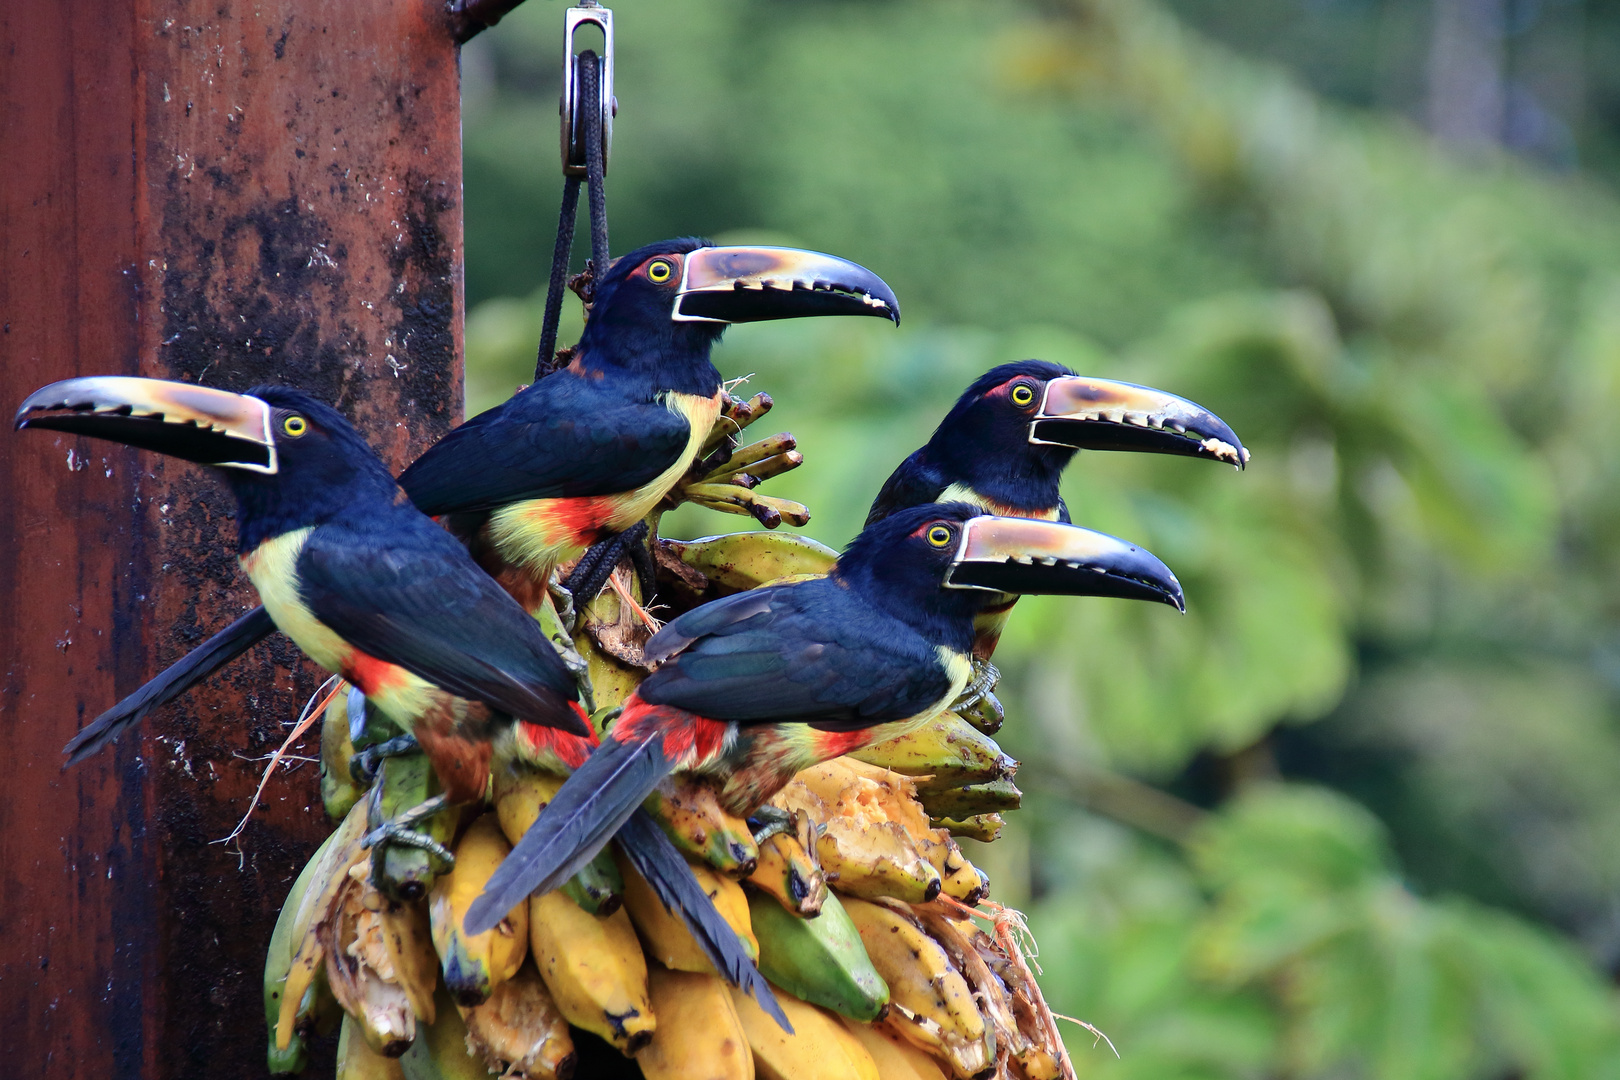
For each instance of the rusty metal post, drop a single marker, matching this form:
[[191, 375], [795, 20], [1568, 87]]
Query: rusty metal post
[[229, 192]]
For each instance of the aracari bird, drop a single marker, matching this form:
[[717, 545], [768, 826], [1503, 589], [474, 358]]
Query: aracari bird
[[1005, 443], [590, 449], [754, 687], [371, 588]]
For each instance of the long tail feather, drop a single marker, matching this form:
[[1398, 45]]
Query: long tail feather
[[176, 679], [577, 824], [645, 845]]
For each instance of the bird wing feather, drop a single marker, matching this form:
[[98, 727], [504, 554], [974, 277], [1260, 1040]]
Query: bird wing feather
[[420, 602]]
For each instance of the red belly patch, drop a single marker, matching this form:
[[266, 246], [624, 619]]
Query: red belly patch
[[370, 674], [578, 522]]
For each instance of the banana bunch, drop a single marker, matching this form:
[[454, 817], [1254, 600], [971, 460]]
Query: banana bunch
[[848, 889], [725, 474]]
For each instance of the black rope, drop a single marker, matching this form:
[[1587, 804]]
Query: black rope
[[590, 69], [589, 82], [560, 256]]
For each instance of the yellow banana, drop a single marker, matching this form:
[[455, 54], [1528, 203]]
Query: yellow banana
[[788, 869], [356, 1060], [520, 795], [944, 753], [594, 969], [668, 940], [896, 1058], [610, 638], [879, 794], [930, 1002], [475, 965], [747, 560], [820, 1047], [339, 792], [328, 873], [700, 1036], [408, 943], [689, 811], [861, 851], [519, 1032]]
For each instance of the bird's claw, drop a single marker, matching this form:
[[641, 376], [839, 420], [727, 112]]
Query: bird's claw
[[402, 831], [364, 764], [769, 821], [985, 679]]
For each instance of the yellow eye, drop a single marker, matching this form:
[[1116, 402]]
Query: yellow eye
[[295, 426], [658, 272], [939, 536], [1022, 394]]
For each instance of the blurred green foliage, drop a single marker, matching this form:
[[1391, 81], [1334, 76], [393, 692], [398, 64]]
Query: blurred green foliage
[[1394, 693]]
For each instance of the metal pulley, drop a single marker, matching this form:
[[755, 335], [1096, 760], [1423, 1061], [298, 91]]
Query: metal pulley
[[575, 111]]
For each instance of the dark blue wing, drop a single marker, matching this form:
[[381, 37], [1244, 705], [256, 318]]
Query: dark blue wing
[[566, 436], [404, 591], [809, 651]]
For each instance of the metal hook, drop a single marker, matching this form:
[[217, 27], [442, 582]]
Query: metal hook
[[573, 132]]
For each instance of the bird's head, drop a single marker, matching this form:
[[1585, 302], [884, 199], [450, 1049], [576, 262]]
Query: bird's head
[[669, 302], [1010, 435], [944, 562], [292, 461]]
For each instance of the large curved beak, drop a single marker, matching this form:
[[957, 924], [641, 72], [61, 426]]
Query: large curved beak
[[1023, 555], [752, 284], [1101, 414], [195, 423]]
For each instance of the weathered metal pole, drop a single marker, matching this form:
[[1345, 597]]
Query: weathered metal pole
[[229, 192]]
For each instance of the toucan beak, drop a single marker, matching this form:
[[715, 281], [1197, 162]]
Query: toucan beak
[[195, 423], [752, 284], [1023, 555], [1100, 414]]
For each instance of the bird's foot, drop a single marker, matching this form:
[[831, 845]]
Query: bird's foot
[[402, 832], [594, 568], [768, 821], [364, 764], [984, 680], [562, 599]]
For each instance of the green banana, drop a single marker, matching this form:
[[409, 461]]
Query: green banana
[[739, 561], [439, 1051], [358, 1061], [985, 827], [819, 960], [971, 800], [402, 872], [338, 790], [986, 714], [598, 887], [944, 753]]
